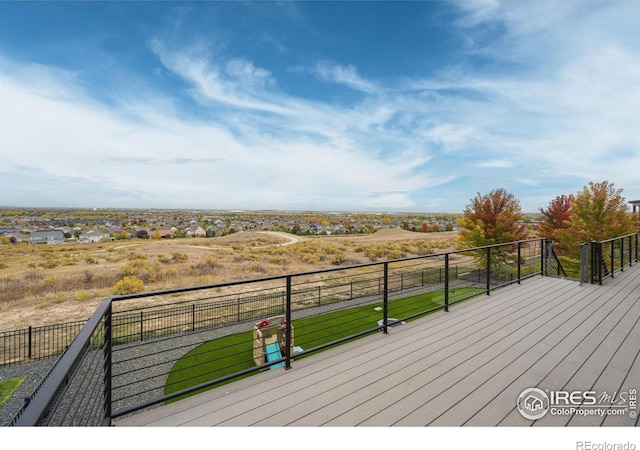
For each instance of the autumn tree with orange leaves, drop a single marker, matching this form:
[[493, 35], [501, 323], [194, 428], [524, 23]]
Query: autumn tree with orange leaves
[[597, 213], [555, 219], [493, 218]]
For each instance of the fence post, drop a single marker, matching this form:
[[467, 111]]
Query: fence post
[[622, 254], [30, 341], [107, 368], [287, 338], [193, 317], [446, 282], [141, 326], [488, 270], [613, 258], [385, 298], [519, 260]]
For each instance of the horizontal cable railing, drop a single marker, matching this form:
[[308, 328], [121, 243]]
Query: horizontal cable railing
[[142, 350], [610, 256]]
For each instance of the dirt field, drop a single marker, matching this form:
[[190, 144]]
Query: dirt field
[[51, 284]]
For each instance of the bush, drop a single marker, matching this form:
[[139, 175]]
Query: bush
[[177, 257], [83, 296], [128, 285]]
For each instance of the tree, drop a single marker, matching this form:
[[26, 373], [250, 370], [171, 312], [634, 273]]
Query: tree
[[555, 219], [493, 218], [598, 212]]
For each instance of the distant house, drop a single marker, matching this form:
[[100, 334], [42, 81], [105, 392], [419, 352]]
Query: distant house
[[17, 237], [93, 236], [47, 237], [196, 231]]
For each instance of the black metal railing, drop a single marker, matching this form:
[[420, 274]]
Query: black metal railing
[[606, 258], [18, 346], [116, 366], [553, 266], [33, 343]]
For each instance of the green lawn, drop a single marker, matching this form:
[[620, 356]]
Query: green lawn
[[225, 356], [8, 387]]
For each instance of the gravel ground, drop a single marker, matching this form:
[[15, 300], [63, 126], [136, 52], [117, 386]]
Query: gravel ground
[[35, 372], [140, 369]]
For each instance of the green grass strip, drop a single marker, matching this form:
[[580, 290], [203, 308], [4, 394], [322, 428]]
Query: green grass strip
[[231, 354], [8, 387]]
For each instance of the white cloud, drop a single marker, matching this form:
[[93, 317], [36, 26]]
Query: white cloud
[[347, 75], [134, 155], [554, 105], [495, 164]]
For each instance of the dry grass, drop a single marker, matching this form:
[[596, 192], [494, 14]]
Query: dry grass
[[51, 284]]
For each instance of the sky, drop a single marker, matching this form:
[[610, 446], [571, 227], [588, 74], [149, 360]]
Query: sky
[[387, 106]]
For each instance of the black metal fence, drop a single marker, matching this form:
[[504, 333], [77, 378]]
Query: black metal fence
[[34, 343], [141, 350]]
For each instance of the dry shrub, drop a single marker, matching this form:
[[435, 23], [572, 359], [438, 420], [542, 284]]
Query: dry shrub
[[279, 260], [83, 296], [254, 268], [204, 267], [128, 285], [179, 257]]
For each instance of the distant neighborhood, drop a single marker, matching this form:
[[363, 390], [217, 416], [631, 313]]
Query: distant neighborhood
[[58, 226]]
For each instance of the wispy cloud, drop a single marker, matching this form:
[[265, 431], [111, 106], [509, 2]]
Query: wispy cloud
[[537, 105], [346, 75]]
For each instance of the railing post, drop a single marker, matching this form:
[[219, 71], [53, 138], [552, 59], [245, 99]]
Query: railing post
[[287, 338], [385, 298], [613, 258], [141, 325], [519, 260], [193, 317], [488, 270], [107, 368], [30, 341], [446, 282], [622, 254]]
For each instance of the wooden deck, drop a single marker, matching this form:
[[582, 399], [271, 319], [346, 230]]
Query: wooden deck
[[464, 367]]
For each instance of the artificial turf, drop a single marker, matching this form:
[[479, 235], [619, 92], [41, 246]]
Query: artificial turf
[[8, 387], [234, 353]]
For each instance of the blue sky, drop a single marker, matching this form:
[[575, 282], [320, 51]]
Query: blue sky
[[316, 105]]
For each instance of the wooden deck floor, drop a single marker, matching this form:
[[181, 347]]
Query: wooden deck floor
[[464, 367]]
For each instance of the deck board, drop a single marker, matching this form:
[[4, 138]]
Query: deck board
[[464, 367]]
